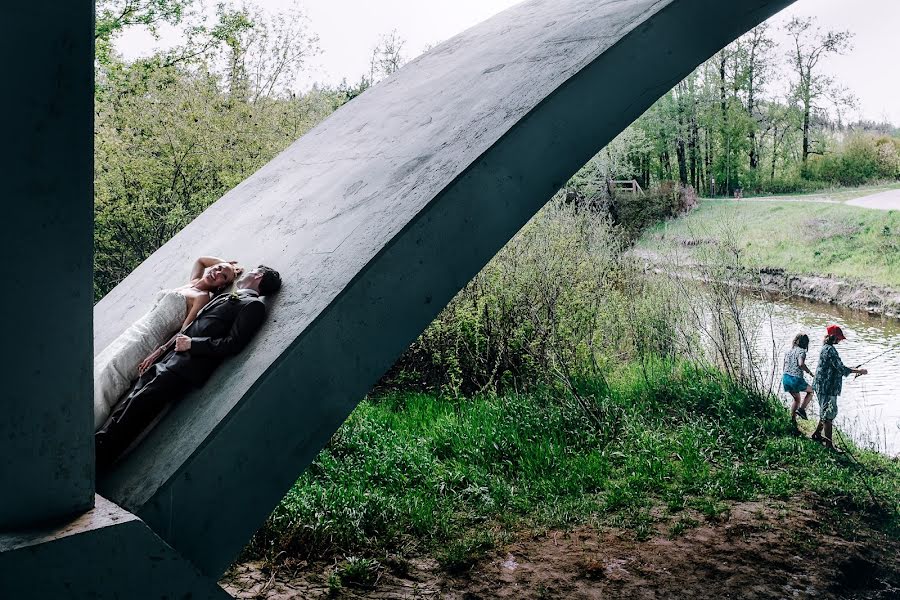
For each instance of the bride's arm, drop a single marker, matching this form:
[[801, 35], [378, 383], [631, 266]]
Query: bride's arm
[[202, 263], [197, 305], [154, 356]]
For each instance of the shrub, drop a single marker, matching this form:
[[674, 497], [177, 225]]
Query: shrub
[[888, 157], [862, 159], [556, 303], [636, 212], [858, 162], [805, 180]]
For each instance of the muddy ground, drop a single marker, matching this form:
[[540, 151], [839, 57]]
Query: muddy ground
[[798, 549]]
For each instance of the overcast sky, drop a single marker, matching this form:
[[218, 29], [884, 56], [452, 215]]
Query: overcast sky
[[348, 30]]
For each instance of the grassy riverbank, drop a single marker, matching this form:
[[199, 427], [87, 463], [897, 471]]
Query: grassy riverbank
[[806, 238], [661, 444], [538, 408]]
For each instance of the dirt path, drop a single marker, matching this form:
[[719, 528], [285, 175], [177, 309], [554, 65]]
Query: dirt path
[[762, 550], [815, 199], [889, 200]]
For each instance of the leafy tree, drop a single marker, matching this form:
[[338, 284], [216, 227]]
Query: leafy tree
[[754, 64], [115, 16], [178, 129], [722, 124]]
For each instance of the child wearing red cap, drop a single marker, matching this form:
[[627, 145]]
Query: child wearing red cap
[[828, 383]]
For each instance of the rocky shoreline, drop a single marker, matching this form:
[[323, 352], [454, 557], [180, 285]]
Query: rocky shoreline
[[825, 289], [872, 299]]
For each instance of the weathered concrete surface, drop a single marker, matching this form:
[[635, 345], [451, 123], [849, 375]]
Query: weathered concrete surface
[[376, 218], [104, 553], [46, 450]]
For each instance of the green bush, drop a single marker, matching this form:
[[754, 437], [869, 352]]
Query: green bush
[[791, 184], [858, 162], [634, 213], [888, 157], [557, 303], [862, 159]]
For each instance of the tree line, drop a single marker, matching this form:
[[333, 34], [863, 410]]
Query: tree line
[[727, 127]]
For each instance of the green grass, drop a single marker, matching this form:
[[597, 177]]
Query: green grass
[[354, 571], [802, 238], [412, 472]]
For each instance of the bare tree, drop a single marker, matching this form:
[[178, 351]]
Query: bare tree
[[810, 46], [755, 66], [387, 56]]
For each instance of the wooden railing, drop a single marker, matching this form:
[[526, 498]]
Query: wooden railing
[[626, 186]]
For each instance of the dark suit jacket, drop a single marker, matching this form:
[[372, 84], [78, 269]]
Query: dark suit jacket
[[221, 329]]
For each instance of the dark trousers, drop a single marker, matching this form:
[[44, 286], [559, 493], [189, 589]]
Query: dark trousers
[[153, 391]]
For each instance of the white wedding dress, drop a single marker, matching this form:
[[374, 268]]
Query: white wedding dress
[[116, 367]]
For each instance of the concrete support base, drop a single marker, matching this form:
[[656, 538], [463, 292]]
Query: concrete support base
[[105, 553]]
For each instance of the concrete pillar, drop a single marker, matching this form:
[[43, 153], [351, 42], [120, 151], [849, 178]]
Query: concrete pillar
[[46, 161]]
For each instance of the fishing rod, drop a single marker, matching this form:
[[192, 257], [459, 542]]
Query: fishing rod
[[865, 362], [889, 350]]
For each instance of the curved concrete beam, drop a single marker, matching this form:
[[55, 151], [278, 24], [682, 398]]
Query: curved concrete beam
[[376, 218]]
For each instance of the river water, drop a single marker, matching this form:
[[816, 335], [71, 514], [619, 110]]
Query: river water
[[869, 406]]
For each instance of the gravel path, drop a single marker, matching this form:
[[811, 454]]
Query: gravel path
[[889, 200]]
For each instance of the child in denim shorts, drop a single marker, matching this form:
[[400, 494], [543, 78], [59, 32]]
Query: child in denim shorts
[[792, 380]]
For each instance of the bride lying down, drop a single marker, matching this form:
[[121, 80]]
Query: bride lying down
[[120, 363]]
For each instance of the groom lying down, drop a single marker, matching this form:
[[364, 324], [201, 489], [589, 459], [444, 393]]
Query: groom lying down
[[221, 329]]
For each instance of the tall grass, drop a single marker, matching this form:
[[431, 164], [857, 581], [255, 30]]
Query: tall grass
[[412, 472]]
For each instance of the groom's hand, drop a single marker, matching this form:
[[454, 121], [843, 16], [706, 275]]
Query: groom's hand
[[182, 343]]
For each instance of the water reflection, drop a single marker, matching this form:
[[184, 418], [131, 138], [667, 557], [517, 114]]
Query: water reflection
[[869, 406]]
